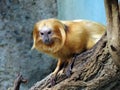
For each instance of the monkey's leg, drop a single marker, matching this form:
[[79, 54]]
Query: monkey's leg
[[70, 66], [58, 68]]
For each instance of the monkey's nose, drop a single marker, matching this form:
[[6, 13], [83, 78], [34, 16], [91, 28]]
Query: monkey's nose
[[47, 41]]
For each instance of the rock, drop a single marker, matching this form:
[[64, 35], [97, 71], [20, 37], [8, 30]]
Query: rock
[[17, 18]]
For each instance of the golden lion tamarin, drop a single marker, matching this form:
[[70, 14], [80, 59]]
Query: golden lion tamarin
[[63, 39]]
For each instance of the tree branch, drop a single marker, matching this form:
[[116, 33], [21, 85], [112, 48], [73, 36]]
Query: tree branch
[[113, 29], [93, 69], [18, 81]]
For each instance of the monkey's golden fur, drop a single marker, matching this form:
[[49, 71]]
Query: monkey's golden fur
[[69, 38]]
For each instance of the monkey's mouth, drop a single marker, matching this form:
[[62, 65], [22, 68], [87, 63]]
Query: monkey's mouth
[[48, 42]]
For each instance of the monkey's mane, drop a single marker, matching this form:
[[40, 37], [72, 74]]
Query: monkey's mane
[[58, 40]]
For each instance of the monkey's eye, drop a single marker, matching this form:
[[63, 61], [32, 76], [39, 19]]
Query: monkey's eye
[[41, 33], [49, 32]]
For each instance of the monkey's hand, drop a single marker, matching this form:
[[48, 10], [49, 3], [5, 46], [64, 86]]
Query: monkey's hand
[[53, 80]]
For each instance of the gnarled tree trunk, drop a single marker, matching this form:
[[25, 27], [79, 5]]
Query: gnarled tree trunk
[[97, 68]]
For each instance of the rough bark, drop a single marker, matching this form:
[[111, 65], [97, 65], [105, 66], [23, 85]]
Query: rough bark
[[98, 68], [113, 29]]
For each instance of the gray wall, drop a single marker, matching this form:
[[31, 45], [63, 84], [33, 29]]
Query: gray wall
[[82, 9], [17, 18]]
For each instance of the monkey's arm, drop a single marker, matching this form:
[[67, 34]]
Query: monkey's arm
[[58, 68]]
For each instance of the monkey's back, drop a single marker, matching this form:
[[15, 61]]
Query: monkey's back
[[82, 34]]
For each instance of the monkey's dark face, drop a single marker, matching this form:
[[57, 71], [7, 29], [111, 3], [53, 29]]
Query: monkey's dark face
[[46, 35]]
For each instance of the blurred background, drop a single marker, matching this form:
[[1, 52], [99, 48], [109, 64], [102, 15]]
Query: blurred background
[[17, 18]]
